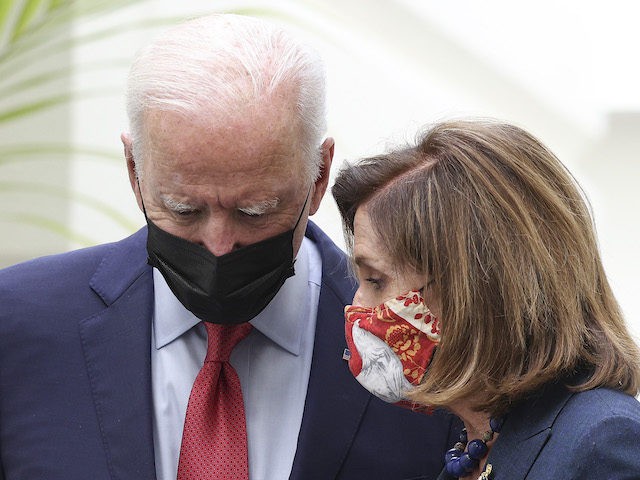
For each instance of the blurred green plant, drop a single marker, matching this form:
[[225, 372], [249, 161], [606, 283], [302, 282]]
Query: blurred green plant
[[31, 33]]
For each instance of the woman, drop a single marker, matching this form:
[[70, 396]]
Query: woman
[[479, 271]]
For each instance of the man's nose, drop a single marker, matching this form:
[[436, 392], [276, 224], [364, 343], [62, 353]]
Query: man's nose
[[219, 236]]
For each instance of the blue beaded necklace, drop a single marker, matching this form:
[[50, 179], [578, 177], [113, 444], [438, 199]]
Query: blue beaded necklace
[[459, 463]]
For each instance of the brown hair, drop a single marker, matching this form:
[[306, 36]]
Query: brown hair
[[503, 231]]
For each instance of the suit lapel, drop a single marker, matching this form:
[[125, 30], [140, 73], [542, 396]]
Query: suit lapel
[[512, 459], [526, 432], [335, 403], [116, 345]]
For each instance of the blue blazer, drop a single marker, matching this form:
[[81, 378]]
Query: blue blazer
[[561, 435], [75, 378]]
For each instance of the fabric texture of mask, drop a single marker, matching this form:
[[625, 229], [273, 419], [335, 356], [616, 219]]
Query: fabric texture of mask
[[391, 345], [227, 289]]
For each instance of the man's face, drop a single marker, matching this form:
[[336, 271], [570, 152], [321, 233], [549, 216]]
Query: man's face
[[227, 183]]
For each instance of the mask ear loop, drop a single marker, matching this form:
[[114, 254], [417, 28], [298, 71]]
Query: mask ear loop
[[298, 223], [303, 207], [144, 210]]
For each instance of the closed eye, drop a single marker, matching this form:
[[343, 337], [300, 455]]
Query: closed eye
[[259, 209], [186, 212], [376, 283], [180, 209], [250, 213]]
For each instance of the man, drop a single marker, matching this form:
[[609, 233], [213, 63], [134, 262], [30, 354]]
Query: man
[[99, 351]]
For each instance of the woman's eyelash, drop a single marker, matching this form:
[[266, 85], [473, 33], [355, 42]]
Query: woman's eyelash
[[376, 282]]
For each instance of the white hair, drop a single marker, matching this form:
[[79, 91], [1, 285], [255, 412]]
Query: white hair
[[219, 63]]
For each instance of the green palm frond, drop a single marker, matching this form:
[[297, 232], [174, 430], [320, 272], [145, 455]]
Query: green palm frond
[[28, 84], [31, 151], [85, 200], [31, 12], [48, 224], [40, 80], [36, 46], [31, 107], [25, 23]]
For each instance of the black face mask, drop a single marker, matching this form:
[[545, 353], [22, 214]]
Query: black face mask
[[229, 289]]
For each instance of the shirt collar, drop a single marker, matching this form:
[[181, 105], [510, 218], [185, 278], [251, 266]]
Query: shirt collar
[[281, 321]]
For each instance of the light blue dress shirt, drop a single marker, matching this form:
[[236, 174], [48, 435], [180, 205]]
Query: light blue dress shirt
[[273, 364]]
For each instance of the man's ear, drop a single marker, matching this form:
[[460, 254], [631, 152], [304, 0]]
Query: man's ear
[[131, 167], [322, 182]]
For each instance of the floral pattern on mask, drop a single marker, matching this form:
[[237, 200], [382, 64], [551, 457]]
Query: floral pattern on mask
[[391, 345]]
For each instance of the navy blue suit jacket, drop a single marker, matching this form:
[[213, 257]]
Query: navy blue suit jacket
[[560, 435], [75, 378]]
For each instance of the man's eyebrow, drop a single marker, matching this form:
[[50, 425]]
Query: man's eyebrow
[[175, 205], [260, 208]]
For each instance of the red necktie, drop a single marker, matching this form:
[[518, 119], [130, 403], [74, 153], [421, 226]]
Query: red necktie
[[214, 441]]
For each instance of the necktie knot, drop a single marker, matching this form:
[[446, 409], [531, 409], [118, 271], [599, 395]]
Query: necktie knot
[[222, 339]]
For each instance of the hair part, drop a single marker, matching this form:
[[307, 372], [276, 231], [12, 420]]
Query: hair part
[[506, 235], [213, 66]]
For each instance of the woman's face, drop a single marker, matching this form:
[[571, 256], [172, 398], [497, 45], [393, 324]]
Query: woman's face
[[380, 278]]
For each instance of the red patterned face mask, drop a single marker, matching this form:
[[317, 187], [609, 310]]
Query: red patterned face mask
[[391, 345]]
